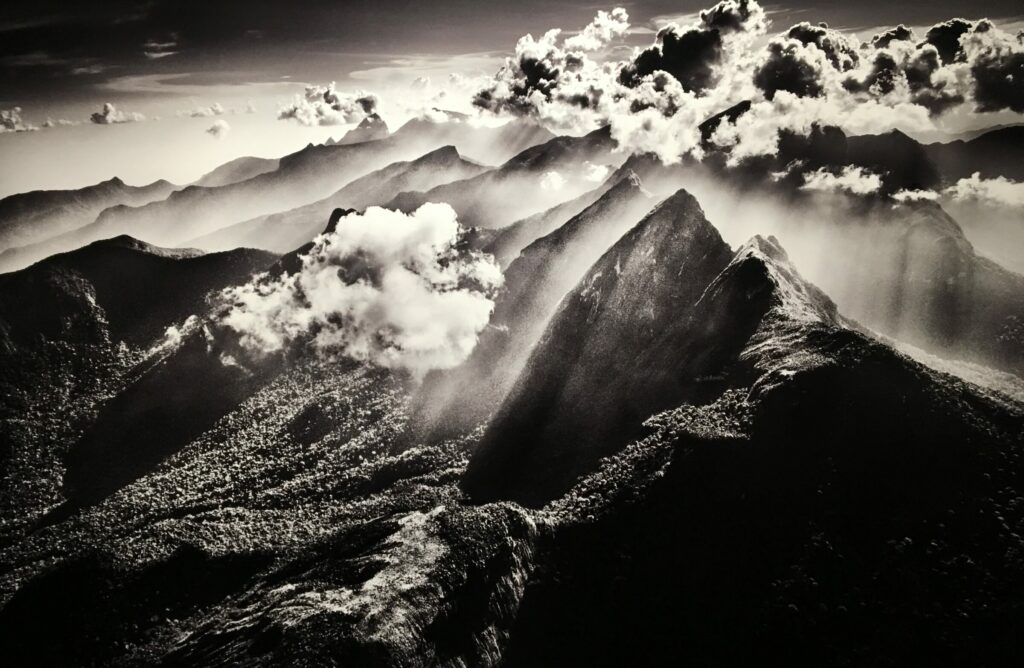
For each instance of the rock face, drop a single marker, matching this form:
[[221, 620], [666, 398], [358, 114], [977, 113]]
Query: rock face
[[534, 284], [669, 315]]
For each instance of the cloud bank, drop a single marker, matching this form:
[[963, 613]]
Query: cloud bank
[[385, 287], [323, 105], [808, 75], [110, 115]]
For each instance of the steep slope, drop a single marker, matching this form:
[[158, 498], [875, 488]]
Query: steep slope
[[239, 169], [509, 241], [924, 283], [30, 217], [534, 284], [669, 315], [517, 188], [75, 330], [283, 231]]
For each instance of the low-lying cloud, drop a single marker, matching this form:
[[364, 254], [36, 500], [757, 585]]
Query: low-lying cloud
[[385, 287], [999, 190], [323, 105], [110, 114], [850, 179]]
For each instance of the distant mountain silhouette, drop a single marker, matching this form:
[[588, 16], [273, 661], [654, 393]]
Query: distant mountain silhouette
[[29, 217], [283, 231], [239, 169]]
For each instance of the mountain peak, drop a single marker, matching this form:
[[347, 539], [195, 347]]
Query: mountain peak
[[441, 156]]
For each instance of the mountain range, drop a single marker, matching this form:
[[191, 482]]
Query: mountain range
[[715, 416]]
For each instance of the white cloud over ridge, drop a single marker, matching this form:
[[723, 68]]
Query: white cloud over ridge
[[999, 190], [851, 179], [807, 75], [385, 287]]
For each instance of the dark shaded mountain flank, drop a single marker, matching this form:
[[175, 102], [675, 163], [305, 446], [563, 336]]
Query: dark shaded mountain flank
[[119, 288], [668, 315], [993, 153], [534, 284]]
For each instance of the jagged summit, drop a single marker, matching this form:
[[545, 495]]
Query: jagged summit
[[369, 129], [666, 316]]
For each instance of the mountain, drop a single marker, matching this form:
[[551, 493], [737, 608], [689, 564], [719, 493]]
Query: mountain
[[798, 484], [370, 128], [496, 198], [30, 217], [121, 288], [993, 153], [239, 169], [670, 315], [930, 288], [301, 178], [488, 145], [283, 231], [534, 283]]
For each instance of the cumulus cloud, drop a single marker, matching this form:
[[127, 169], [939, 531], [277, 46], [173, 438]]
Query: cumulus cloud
[[693, 55], [323, 105], [110, 115], [384, 287], [605, 27], [999, 190], [854, 180], [219, 129], [807, 76], [11, 121]]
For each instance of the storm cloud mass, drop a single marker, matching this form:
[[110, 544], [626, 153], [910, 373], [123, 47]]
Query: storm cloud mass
[[806, 76]]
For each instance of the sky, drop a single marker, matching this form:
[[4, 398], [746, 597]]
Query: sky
[[174, 69]]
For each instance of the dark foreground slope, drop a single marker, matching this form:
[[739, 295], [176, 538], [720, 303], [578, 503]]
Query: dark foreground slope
[[72, 330], [780, 489]]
